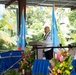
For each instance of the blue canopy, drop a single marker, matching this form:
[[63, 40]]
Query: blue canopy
[[7, 59]]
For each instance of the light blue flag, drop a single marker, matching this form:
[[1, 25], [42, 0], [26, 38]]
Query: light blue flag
[[1, 14], [2, 7], [23, 32], [41, 8], [54, 31]]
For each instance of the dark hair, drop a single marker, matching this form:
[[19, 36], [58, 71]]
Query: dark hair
[[69, 46]]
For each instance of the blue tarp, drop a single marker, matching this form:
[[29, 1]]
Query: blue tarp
[[73, 72], [40, 67], [7, 59]]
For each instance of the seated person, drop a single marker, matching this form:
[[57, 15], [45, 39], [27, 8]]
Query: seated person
[[72, 51]]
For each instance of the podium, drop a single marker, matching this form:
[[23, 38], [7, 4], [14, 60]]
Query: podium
[[38, 52]]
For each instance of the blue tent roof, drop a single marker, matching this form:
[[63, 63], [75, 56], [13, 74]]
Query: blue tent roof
[[7, 59]]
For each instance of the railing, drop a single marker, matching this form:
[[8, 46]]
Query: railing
[[72, 51], [69, 47]]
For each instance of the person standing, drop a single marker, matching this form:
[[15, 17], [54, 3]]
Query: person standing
[[48, 43]]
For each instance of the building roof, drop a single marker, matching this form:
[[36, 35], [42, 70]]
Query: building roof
[[50, 3]]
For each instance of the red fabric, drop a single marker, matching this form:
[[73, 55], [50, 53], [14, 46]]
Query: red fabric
[[22, 53], [19, 48], [26, 7]]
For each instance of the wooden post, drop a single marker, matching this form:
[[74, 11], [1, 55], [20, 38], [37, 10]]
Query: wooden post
[[21, 6], [73, 8], [9, 3]]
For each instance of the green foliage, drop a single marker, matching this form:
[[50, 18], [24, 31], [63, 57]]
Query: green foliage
[[72, 18], [27, 61], [8, 30], [61, 14], [63, 65], [62, 39], [35, 16], [73, 43], [12, 72], [5, 41], [35, 20]]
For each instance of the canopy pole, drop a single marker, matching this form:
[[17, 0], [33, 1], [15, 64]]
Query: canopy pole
[[21, 6]]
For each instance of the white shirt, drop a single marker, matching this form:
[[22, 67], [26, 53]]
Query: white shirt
[[48, 42]]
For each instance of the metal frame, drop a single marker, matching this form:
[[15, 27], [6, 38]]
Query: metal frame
[[22, 3], [57, 3]]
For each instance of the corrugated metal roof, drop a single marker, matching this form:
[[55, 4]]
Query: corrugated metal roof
[[57, 3]]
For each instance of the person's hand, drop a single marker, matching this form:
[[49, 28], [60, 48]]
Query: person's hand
[[52, 63], [51, 72]]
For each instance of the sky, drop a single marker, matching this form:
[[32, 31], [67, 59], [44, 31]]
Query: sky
[[2, 8]]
